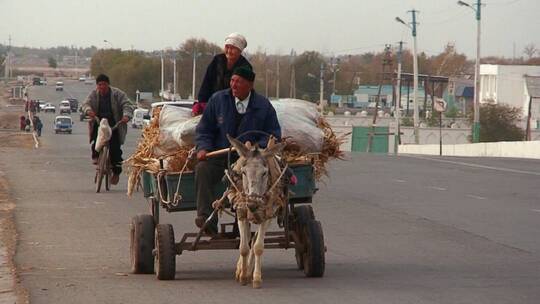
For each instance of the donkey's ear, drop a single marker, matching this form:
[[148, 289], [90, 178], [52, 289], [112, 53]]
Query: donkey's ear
[[239, 146], [276, 148]]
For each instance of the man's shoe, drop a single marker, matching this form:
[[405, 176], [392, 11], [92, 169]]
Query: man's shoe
[[210, 229], [114, 179]]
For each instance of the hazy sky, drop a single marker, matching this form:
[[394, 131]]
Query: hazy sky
[[332, 27]]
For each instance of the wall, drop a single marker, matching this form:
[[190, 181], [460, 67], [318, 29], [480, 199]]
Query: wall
[[520, 149]]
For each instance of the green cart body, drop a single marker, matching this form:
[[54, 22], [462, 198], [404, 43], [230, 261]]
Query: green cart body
[[302, 192]]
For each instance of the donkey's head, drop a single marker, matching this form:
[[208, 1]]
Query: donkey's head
[[255, 171]]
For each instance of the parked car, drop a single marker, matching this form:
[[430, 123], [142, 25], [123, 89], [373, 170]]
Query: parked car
[[73, 103], [82, 79], [48, 107], [36, 81], [138, 117], [65, 107], [59, 86], [63, 124]]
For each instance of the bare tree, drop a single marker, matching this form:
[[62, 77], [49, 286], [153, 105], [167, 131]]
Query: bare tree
[[530, 50]]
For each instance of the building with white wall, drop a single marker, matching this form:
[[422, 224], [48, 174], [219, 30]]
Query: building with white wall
[[505, 84]]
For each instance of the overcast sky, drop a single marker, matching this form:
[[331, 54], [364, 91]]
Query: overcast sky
[[277, 26]]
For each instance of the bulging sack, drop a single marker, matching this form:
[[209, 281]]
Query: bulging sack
[[176, 129], [104, 134], [299, 122]]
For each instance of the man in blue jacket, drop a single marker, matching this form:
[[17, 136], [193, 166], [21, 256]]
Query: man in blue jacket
[[232, 111]]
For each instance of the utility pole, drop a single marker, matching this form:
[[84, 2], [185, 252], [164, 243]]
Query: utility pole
[[174, 75], [387, 61], [292, 86], [321, 86], [397, 104], [194, 69], [416, 117], [476, 124], [476, 115], [162, 77], [277, 78]]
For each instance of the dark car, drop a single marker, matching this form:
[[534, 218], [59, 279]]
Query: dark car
[[36, 81], [73, 104]]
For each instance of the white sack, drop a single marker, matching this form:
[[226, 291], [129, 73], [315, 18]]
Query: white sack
[[104, 134], [176, 129], [298, 120]]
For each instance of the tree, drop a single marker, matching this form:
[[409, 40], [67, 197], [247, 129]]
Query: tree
[[530, 50], [52, 63], [498, 122]]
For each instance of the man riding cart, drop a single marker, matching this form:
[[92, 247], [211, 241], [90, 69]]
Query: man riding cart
[[230, 112]]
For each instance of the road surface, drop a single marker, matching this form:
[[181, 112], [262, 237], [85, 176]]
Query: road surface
[[398, 230]]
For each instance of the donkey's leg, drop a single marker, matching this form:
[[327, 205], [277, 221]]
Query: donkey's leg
[[241, 266], [258, 250]]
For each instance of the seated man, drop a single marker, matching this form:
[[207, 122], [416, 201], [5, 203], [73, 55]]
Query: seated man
[[232, 111]]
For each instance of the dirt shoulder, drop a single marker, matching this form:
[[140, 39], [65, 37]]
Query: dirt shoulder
[[11, 291]]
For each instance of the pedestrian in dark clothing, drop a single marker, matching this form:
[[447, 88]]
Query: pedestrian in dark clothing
[[38, 125], [219, 71], [233, 112], [27, 125], [22, 122]]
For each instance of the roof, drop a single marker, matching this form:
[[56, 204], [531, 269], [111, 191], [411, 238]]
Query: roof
[[533, 86]]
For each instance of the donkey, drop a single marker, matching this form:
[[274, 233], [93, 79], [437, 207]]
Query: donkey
[[255, 200]]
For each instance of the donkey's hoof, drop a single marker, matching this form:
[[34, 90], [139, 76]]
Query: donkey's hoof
[[244, 281], [257, 284]]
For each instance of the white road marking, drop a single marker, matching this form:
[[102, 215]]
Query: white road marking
[[399, 181], [477, 165], [476, 196], [437, 188]]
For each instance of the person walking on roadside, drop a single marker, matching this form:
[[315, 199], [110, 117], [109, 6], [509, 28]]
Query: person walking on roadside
[[114, 105], [220, 70], [22, 122], [38, 125]]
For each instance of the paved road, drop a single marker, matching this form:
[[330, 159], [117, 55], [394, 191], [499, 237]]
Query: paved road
[[398, 230]]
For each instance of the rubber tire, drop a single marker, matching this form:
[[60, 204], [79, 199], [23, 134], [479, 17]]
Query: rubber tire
[[165, 259], [142, 244], [314, 255], [303, 214], [102, 168]]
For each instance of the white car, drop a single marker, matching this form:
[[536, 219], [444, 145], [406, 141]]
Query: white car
[[48, 107], [65, 107], [138, 118], [82, 79], [59, 86], [41, 104]]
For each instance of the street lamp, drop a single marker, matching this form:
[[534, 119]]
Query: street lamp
[[476, 123], [107, 41], [195, 55], [321, 84], [416, 116]]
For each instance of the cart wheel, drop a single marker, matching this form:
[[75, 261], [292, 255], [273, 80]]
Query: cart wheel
[[142, 244], [165, 260], [303, 214], [314, 249]]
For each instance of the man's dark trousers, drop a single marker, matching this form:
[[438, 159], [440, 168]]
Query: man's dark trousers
[[115, 151], [208, 173]]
